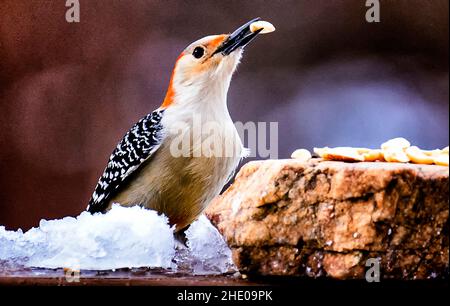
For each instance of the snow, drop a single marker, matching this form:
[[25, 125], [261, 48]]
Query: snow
[[210, 254], [125, 237]]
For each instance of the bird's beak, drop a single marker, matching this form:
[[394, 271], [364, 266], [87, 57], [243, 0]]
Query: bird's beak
[[239, 38]]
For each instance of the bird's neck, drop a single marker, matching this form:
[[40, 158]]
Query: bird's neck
[[202, 112], [208, 98]]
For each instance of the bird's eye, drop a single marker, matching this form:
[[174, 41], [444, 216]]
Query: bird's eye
[[198, 52]]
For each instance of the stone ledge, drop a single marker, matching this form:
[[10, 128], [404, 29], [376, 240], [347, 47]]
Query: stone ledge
[[281, 214]]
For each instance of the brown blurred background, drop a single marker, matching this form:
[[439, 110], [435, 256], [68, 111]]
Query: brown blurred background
[[69, 91]]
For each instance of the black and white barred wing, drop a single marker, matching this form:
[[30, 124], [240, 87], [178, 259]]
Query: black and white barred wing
[[138, 144]]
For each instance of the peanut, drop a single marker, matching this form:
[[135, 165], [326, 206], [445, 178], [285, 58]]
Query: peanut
[[418, 156], [266, 27], [395, 155], [373, 155], [301, 154], [441, 160], [339, 153], [400, 143]]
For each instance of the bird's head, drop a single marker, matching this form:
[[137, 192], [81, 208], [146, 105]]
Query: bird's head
[[206, 66]]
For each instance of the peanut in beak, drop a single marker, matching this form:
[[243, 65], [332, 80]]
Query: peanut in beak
[[266, 27]]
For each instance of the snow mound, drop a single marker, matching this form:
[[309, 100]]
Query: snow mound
[[210, 254], [124, 237]]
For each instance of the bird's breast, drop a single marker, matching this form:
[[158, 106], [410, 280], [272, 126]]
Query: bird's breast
[[188, 170]]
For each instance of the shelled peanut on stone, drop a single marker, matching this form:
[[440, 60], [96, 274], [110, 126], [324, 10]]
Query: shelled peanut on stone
[[373, 155], [395, 143], [339, 153], [301, 154], [441, 160], [394, 150], [417, 156]]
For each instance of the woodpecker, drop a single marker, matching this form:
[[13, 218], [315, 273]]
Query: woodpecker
[[143, 170]]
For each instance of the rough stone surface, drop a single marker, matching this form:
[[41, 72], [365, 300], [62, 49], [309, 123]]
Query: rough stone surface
[[326, 218]]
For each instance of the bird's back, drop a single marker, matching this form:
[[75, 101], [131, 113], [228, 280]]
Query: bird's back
[[137, 146]]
